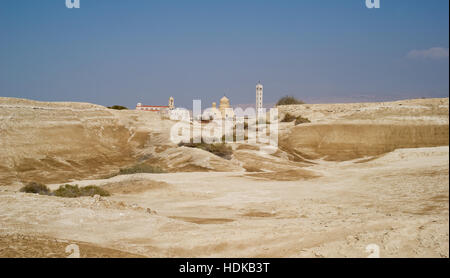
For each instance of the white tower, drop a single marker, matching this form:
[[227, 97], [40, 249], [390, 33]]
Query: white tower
[[259, 97], [171, 103]]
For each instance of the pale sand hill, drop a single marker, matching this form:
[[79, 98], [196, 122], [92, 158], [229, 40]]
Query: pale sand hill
[[427, 111], [359, 174], [349, 131], [58, 142]]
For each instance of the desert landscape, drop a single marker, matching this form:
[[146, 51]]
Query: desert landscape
[[357, 174]]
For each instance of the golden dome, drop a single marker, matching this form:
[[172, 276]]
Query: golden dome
[[224, 99]]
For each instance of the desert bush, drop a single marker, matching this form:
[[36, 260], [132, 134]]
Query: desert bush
[[36, 188], [289, 100], [68, 191], [93, 190], [73, 191], [222, 150], [219, 149], [141, 168], [288, 118], [301, 120], [118, 107]]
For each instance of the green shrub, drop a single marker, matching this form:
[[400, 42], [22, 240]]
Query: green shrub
[[36, 188], [68, 191], [289, 100], [93, 190], [301, 120], [288, 118], [141, 168], [118, 107], [73, 191]]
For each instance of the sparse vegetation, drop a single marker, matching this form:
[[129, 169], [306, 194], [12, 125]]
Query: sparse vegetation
[[118, 107], [141, 168], [288, 118], [298, 120], [289, 100], [67, 190], [36, 188], [301, 120], [93, 190], [73, 191], [219, 149]]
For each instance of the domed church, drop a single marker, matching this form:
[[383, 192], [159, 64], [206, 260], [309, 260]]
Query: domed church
[[224, 104]]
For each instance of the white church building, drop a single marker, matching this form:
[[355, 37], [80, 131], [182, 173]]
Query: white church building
[[223, 111], [156, 108]]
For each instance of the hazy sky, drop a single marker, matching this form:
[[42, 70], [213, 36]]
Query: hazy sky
[[123, 52]]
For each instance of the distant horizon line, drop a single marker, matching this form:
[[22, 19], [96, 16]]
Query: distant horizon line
[[242, 105]]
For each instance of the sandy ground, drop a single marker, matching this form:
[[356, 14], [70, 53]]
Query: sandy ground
[[400, 205], [310, 199]]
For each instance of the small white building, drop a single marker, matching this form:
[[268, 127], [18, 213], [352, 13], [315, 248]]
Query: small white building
[[156, 108]]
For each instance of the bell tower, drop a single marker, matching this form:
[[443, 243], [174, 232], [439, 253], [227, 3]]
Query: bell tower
[[259, 97], [171, 103]]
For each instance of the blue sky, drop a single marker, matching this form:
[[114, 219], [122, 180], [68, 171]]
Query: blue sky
[[123, 52]]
